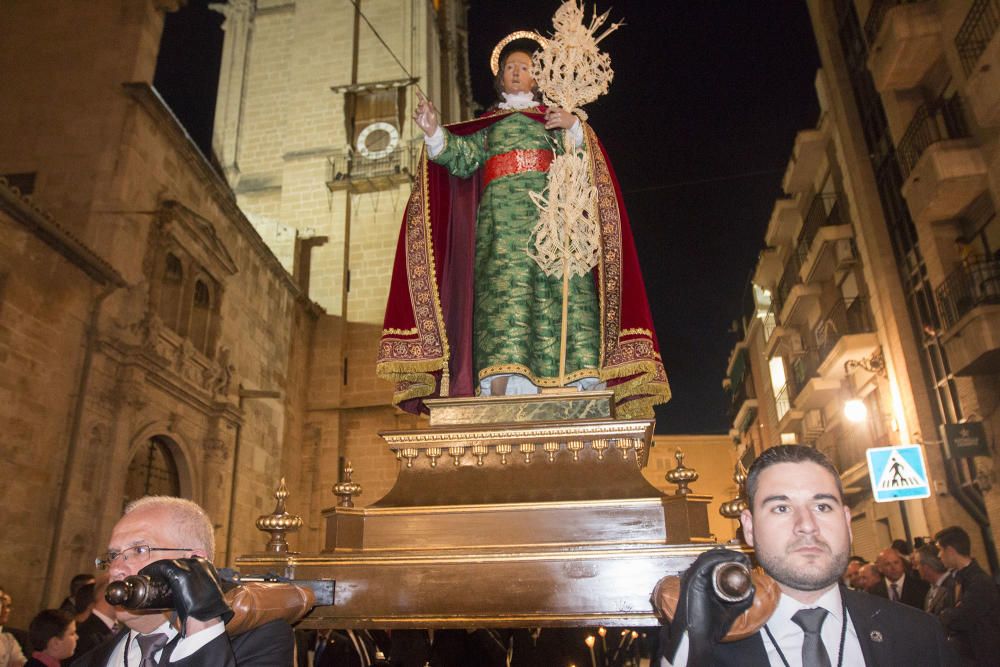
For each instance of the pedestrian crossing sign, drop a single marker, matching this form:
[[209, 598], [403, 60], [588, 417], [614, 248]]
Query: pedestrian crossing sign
[[898, 473]]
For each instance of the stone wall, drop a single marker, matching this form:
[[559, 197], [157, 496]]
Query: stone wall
[[713, 457]]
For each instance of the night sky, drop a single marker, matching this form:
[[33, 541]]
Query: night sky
[[699, 123]]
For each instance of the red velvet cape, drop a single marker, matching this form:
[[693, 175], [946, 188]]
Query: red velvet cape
[[426, 344]]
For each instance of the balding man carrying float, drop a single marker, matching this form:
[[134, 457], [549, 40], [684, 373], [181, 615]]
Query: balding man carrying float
[[172, 539]]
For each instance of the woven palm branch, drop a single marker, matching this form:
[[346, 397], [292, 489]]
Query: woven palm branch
[[570, 71], [567, 234]]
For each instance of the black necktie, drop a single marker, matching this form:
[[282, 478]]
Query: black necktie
[[149, 645], [813, 652], [895, 592]]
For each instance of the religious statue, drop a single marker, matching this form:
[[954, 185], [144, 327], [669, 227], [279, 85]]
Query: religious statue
[[475, 306]]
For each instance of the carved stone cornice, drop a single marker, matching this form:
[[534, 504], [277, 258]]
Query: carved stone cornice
[[158, 371], [197, 235], [43, 225], [147, 98]]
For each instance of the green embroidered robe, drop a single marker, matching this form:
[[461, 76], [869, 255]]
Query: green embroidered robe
[[518, 309]]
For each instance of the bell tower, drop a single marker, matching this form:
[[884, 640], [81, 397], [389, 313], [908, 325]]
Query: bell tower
[[313, 131]]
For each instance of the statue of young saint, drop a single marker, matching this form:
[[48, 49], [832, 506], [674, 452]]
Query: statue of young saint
[[469, 310]]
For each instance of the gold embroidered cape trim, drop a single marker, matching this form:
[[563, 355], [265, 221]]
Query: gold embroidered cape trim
[[621, 357], [410, 362], [538, 380]]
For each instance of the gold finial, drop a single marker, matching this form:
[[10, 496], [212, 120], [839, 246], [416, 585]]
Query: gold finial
[[681, 475], [731, 509], [346, 489], [279, 521]]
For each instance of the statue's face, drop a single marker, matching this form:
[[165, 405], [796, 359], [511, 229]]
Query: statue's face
[[517, 73]]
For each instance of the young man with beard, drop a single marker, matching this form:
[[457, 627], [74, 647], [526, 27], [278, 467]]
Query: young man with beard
[[973, 622], [800, 529]]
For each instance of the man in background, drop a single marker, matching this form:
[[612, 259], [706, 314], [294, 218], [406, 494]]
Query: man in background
[[896, 584], [75, 584], [13, 643], [99, 625], [854, 565], [929, 567], [868, 577], [973, 623]]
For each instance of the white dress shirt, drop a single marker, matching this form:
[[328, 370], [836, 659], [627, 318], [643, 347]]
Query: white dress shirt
[[899, 587], [790, 636], [10, 650], [185, 647]]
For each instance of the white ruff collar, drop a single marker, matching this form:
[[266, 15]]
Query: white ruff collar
[[517, 101]]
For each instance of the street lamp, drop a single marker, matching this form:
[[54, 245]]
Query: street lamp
[[855, 410]]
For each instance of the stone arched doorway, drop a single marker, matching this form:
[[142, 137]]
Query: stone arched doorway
[[152, 471]]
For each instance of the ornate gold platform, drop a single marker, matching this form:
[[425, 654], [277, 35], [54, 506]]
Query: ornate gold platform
[[508, 511]]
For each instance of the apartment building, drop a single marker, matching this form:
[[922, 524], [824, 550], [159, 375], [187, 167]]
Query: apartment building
[[873, 314]]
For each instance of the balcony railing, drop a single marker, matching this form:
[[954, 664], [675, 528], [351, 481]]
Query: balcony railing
[[789, 279], [350, 170], [876, 16], [782, 401], [846, 317], [801, 369], [825, 211], [977, 30], [740, 394], [804, 367], [769, 322], [933, 122], [970, 285]]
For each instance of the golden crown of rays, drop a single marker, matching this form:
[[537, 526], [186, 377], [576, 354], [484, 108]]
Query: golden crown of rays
[[518, 34]]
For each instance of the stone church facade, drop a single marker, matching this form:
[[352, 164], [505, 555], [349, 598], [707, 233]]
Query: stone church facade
[[172, 324]]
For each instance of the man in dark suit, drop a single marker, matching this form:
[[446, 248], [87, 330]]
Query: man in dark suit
[[193, 635], [896, 584], [100, 622], [76, 583], [801, 531], [929, 567], [973, 624]]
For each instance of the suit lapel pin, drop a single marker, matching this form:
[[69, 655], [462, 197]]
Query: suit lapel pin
[[876, 636]]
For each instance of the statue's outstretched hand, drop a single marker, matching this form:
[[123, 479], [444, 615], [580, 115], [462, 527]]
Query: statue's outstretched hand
[[426, 115]]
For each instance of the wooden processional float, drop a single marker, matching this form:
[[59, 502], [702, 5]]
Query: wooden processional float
[[515, 511], [520, 511]]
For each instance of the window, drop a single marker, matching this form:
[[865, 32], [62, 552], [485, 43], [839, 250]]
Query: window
[[186, 298], [779, 385], [152, 471], [201, 317], [171, 289]]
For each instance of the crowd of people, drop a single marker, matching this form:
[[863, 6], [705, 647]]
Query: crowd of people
[[58, 636], [929, 603], [939, 576], [87, 631]]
